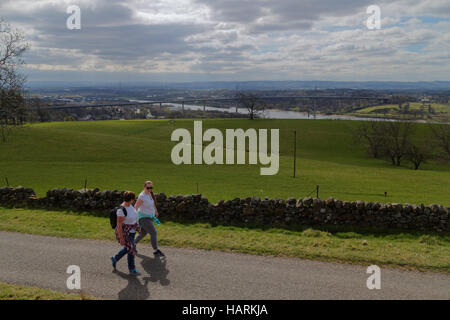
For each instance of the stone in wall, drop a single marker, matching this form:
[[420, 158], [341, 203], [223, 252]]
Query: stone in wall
[[267, 212]]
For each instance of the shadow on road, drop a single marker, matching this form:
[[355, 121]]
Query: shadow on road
[[137, 287], [156, 268]]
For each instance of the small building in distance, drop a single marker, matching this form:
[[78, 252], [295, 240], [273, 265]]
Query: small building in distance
[[149, 116]]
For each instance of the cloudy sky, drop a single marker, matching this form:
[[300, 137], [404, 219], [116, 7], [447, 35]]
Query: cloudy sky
[[207, 40]]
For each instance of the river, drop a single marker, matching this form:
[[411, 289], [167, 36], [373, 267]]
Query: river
[[275, 113]]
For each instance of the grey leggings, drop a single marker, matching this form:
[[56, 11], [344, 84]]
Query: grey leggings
[[147, 226]]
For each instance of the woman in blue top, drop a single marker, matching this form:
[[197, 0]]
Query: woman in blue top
[[146, 207]]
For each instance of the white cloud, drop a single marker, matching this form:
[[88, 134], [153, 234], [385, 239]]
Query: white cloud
[[284, 39]]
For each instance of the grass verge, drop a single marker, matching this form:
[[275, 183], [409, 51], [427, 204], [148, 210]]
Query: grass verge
[[15, 292], [413, 251]]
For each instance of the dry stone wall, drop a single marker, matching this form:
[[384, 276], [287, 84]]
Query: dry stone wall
[[252, 210]]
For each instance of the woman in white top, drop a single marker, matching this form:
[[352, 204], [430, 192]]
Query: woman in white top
[[125, 231], [146, 206]]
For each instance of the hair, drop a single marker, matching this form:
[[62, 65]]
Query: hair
[[147, 182], [151, 192], [129, 196]]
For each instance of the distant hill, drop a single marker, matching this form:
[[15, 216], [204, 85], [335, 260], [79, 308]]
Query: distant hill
[[254, 85]]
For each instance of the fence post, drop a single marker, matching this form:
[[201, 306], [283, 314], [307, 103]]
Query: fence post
[[317, 192], [85, 184], [7, 182]]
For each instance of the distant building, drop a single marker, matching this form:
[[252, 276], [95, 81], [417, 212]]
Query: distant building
[[149, 116], [86, 118]]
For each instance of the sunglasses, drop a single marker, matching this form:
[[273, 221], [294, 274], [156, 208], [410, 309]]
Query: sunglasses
[[149, 188]]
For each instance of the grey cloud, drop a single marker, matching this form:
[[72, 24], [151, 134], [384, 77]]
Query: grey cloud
[[125, 42], [244, 11], [281, 14], [108, 31], [275, 38]]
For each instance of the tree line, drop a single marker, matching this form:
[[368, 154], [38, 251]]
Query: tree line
[[398, 142]]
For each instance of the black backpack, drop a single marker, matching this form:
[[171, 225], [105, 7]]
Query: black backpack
[[113, 216]]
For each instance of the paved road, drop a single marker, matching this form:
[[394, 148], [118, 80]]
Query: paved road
[[196, 274]]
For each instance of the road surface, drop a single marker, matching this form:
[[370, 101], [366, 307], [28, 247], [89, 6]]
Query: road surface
[[197, 274]]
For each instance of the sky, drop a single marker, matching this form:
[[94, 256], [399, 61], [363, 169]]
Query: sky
[[233, 40]]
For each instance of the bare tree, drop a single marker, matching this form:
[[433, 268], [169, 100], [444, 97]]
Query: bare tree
[[393, 140], [416, 155], [400, 99], [38, 110], [12, 111], [12, 47], [397, 139], [441, 133], [252, 103], [371, 134]]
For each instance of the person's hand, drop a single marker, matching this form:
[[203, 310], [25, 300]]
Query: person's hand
[[157, 214], [122, 241]]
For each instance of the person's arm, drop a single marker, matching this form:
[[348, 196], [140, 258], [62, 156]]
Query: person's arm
[[138, 204], [120, 230]]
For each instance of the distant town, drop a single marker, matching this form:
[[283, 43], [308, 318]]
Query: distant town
[[74, 103]]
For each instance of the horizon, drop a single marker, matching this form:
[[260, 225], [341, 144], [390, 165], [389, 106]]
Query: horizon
[[246, 85]]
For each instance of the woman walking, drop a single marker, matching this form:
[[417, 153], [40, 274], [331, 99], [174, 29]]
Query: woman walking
[[146, 207], [125, 232]]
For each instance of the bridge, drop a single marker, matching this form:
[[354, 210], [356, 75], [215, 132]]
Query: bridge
[[204, 101]]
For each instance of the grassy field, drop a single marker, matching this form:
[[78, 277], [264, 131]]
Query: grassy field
[[415, 251], [392, 110], [123, 154], [15, 292]]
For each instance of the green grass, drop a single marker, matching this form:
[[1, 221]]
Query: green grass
[[123, 154], [415, 251], [15, 292], [438, 108]]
